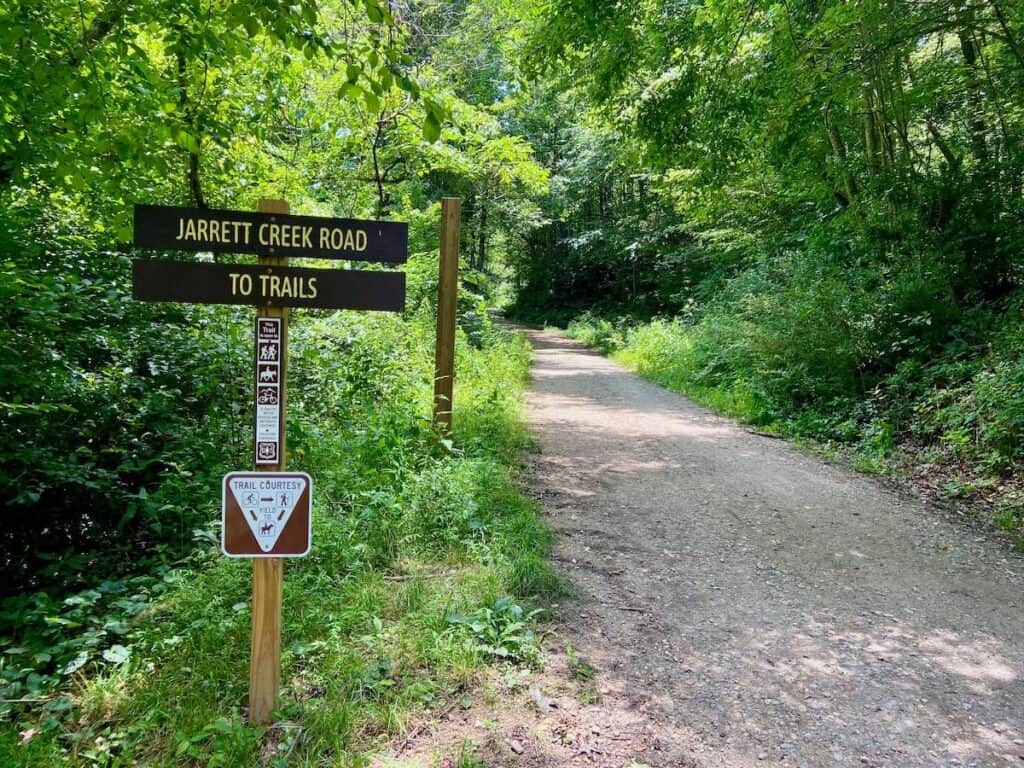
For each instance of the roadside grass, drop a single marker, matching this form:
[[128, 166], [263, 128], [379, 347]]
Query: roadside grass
[[423, 560]]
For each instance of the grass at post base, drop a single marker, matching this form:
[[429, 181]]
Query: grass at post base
[[406, 536]]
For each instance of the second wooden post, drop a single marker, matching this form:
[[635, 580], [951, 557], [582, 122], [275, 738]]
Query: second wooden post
[[267, 573], [447, 290]]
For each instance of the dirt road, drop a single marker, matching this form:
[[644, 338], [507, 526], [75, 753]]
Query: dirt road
[[750, 605]]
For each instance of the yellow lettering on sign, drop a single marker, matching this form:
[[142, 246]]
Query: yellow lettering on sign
[[240, 284], [262, 237], [338, 239], [275, 286], [214, 231]]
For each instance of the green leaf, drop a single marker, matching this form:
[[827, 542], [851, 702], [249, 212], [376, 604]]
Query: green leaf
[[374, 12], [117, 654], [431, 128], [186, 141], [75, 664], [371, 100], [349, 91]]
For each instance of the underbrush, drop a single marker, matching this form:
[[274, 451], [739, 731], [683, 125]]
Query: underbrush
[[814, 364], [425, 561]]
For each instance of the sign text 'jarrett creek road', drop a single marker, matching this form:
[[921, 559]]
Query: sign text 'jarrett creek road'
[[270, 234]]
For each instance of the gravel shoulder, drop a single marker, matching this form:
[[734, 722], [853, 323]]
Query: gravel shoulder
[[754, 605]]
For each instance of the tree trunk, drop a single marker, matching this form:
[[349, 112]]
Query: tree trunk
[[481, 253], [839, 151], [976, 121]]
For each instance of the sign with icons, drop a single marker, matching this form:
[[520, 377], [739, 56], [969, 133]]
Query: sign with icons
[[266, 514]]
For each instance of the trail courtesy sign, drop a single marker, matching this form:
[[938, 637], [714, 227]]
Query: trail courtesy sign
[[266, 514]]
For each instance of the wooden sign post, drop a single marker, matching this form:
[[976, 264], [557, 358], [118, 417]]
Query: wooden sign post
[[278, 505], [267, 573], [447, 292]]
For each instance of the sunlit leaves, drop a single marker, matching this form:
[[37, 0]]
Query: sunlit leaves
[[431, 127]]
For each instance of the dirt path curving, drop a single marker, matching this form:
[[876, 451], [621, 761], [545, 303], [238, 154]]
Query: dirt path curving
[[754, 606]]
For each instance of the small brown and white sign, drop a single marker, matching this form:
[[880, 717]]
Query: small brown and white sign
[[269, 372], [266, 514]]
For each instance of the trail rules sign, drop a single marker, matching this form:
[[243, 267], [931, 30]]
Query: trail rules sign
[[269, 370], [266, 514]]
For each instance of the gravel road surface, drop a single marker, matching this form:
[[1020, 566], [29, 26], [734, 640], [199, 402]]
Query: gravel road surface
[[754, 605]]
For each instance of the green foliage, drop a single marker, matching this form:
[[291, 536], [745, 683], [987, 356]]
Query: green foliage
[[104, 437], [500, 631], [806, 215], [57, 640], [406, 535], [783, 369], [118, 417], [601, 334]]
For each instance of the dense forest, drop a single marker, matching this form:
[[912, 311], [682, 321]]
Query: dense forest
[[808, 214]]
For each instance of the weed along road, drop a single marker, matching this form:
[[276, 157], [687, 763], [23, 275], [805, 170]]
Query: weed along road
[[759, 606]]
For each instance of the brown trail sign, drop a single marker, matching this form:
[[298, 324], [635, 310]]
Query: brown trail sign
[[266, 514], [270, 233], [205, 283], [269, 370], [275, 521]]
